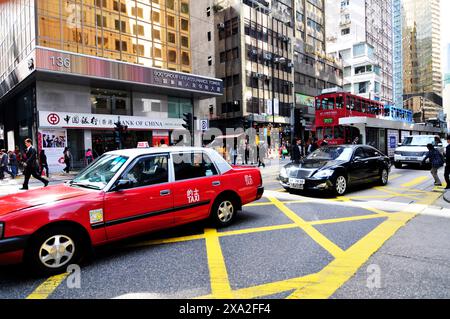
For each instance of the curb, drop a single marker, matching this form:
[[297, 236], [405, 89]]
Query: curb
[[446, 196]]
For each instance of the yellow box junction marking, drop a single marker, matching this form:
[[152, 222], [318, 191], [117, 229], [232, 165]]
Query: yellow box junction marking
[[220, 285], [317, 236], [320, 285], [47, 287], [415, 182]]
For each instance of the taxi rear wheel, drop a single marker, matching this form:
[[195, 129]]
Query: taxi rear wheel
[[223, 211], [52, 250]]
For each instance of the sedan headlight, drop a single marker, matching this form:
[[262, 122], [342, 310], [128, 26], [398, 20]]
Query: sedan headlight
[[283, 172], [2, 230], [324, 174]]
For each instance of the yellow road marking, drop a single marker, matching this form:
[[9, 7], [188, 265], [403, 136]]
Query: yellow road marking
[[167, 241], [395, 176], [220, 285], [47, 287], [347, 219], [339, 271], [327, 244], [395, 194], [255, 230], [415, 182]]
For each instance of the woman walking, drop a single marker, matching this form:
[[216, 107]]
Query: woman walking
[[44, 164], [67, 159]]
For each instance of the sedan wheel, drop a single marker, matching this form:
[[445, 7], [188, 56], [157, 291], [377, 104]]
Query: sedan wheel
[[223, 212], [51, 251], [340, 185], [384, 178]]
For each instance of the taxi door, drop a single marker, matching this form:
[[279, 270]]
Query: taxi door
[[197, 184], [145, 204]]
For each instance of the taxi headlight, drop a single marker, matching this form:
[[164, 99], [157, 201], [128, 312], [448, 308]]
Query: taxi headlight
[[2, 229], [283, 172], [324, 174]]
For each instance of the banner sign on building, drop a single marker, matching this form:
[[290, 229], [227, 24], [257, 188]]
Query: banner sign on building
[[53, 142], [103, 121], [305, 100]]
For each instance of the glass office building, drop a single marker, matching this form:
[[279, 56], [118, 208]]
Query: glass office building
[[422, 74], [72, 68], [397, 52]]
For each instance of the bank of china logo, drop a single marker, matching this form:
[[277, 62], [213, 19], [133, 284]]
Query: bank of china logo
[[53, 119]]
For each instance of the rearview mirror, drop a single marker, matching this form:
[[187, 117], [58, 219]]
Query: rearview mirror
[[122, 184]]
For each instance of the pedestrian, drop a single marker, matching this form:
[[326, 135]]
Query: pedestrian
[[19, 158], [31, 167], [297, 151], [314, 146], [247, 152], [162, 143], [324, 142], [44, 163], [13, 163], [356, 141], [234, 154], [436, 160], [284, 151], [89, 156], [4, 159], [67, 159], [262, 151], [447, 163]]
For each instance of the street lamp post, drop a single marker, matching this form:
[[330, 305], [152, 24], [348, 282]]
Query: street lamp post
[[279, 61]]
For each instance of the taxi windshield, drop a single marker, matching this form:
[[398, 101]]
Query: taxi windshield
[[100, 173], [332, 154]]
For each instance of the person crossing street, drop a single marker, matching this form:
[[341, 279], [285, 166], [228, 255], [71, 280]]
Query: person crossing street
[[436, 160], [447, 164], [31, 167]]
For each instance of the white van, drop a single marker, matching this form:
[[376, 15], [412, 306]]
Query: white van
[[414, 149]]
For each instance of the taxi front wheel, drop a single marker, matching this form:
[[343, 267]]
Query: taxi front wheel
[[223, 211], [52, 250]]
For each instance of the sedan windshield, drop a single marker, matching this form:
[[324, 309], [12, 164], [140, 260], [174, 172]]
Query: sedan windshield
[[419, 141], [100, 173], [332, 154]]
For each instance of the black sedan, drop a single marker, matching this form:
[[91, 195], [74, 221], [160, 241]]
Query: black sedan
[[335, 168]]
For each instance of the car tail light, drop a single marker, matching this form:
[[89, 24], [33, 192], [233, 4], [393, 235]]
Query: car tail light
[[2, 230]]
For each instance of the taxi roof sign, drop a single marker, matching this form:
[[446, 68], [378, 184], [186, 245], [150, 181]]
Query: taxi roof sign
[[143, 145]]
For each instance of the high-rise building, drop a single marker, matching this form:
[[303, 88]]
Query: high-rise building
[[397, 52], [71, 69], [422, 76], [314, 69], [248, 44], [360, 32], [260, 49]]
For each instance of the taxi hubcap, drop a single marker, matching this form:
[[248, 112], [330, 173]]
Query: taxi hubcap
[[57, 251], [341, 185], [225, 212]]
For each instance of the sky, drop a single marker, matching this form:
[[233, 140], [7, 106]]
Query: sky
[[445, 33]]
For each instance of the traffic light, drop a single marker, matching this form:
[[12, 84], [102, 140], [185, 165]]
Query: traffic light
[[189, 121], [119, 132]]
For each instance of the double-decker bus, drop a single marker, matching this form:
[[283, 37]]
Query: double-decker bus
[[331, 107], [342, 117]]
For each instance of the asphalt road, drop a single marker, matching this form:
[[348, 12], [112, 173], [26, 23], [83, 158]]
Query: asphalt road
[[283, 246]]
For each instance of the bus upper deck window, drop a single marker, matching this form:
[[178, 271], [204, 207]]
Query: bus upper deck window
[[339, 102]]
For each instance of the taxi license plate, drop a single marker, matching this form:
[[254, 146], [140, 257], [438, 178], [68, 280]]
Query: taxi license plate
[[411, 158], [297, 183]]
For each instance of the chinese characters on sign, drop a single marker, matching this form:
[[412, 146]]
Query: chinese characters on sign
[[193, 196]]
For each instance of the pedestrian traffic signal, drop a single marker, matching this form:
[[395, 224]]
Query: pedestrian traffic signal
[[189, 121]]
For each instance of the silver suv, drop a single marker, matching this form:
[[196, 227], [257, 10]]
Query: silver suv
[[414, 149]]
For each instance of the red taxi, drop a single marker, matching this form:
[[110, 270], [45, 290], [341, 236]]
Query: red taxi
[[122, 194]]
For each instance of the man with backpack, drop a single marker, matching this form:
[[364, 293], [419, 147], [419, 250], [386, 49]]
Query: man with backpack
[[437, 161]]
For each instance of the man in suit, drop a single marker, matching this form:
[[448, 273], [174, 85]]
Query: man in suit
[[31, 167], [297, 151]]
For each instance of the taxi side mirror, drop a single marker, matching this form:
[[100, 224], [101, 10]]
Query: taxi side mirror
[[122, 184]]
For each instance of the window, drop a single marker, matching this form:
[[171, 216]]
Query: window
[[359, 49], [345, 31], [208, 11], [193, 165], [209, 36], [148, 171]]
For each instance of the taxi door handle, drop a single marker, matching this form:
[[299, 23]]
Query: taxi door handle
[[216, 183], [164, 193]]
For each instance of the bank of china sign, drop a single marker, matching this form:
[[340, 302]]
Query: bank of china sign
[[100, 121]]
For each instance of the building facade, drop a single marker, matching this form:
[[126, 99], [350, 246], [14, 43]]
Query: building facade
[[70, 70], [360, 32], [397, 27], [271, 58], [422, 76]]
